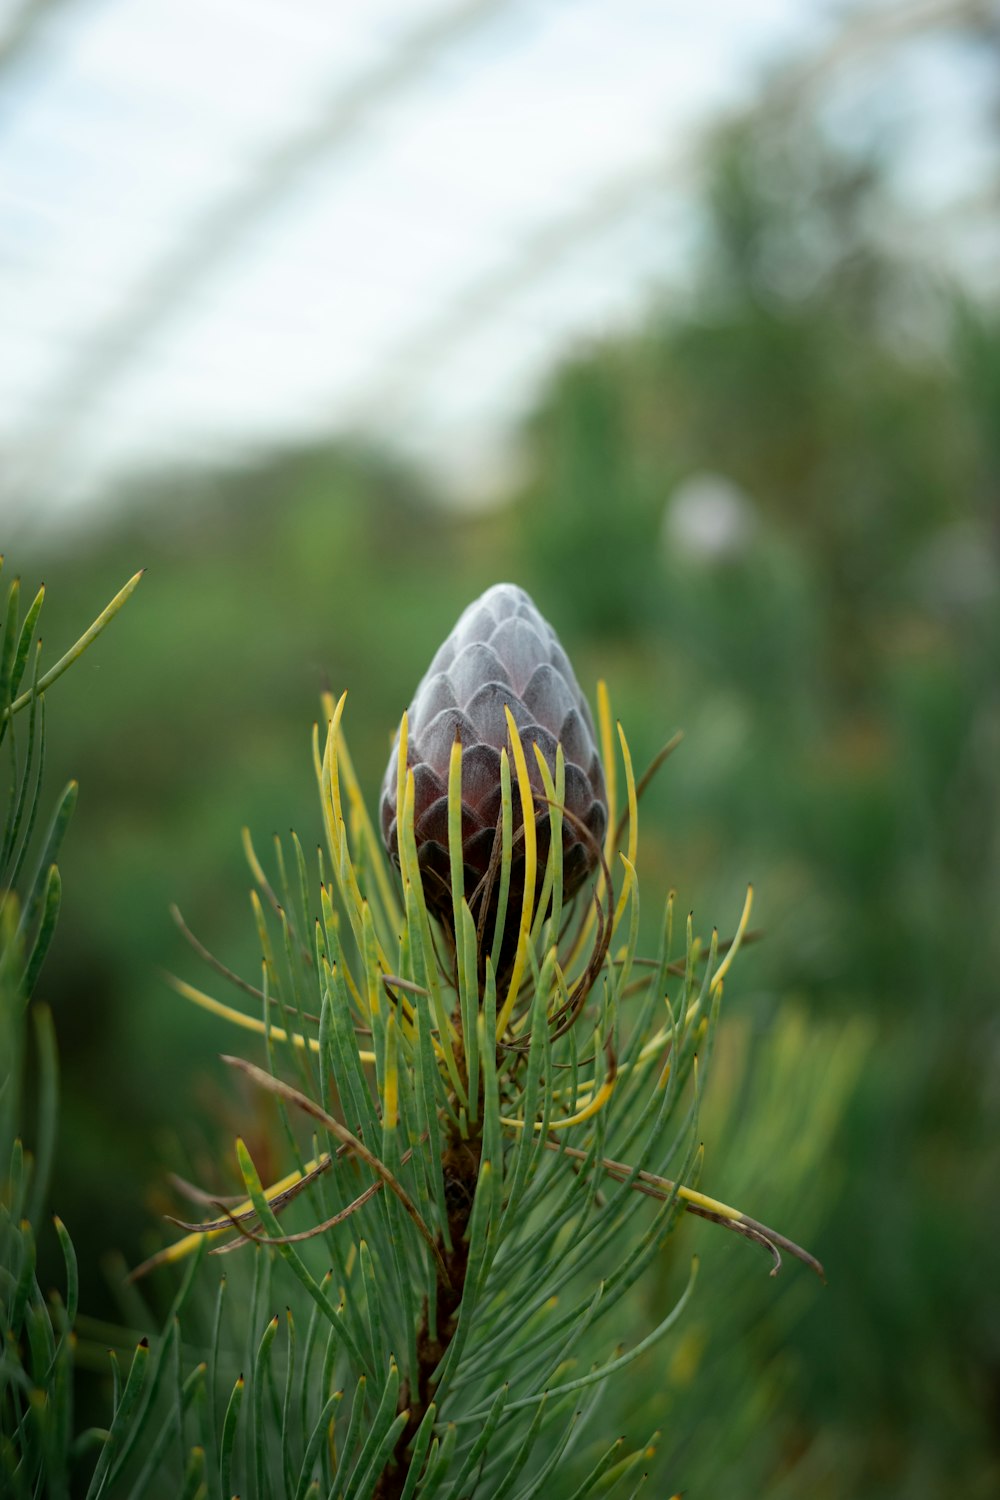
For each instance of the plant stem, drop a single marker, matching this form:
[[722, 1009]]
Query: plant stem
[[461, 1174]]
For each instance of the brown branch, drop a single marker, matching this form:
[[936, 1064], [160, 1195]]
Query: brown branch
[[251, 1236], [315, 1229], [310, 1107], [460, 1166], [662, 1188]]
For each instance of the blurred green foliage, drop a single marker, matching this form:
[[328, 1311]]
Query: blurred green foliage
[[40, 1445], [830, 647]]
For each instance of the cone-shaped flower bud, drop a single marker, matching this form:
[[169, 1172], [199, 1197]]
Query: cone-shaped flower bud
[[500, 654]]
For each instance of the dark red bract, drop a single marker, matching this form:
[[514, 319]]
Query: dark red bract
[[501, 653]]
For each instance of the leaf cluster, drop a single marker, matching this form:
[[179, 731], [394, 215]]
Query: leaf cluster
[[39, 1447]]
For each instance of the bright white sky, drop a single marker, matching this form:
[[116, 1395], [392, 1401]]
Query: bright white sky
[[226, 224]]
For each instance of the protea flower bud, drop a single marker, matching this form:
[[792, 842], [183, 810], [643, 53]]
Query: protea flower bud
[[501, 653]]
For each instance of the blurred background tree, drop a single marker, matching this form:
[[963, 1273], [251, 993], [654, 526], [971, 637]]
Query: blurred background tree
[[768, 515]]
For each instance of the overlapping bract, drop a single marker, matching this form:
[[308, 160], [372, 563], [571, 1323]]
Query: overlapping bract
[[501, 654]]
